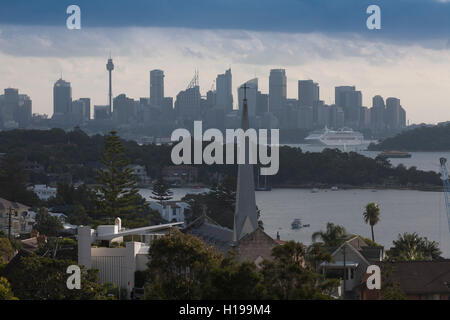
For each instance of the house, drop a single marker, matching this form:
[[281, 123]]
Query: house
[[43, 191], [140, 172], [350, 262], [68, 228], [179, 175], [172, 211], [16, 216], [34, 167], [418, 280]]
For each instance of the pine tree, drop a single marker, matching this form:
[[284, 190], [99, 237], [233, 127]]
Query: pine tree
[[161, 191], [117, 191]]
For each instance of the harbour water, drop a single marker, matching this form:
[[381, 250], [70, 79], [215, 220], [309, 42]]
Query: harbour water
[[401, 211]]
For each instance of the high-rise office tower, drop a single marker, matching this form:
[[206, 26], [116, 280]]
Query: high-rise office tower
[[393, 113], [110, 68], [62, 98], [262, 103], [188, 104], [15, 109], [87, 109], [350, 101], [156, 87], [224, 95], [308, 92], [101, 113], [10, 103], [77, 112], [378, 113], [23, 113], [339, 94], [124, 109], [277, 89], [402, 119]]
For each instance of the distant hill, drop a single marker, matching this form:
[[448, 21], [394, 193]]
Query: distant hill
[[435, 138]]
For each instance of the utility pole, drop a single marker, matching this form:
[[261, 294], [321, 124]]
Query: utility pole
[[9, 223], [345, 270]]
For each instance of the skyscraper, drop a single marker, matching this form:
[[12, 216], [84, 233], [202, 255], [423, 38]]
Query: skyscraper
[[156, 87], [308, 92], [124, 109], [224, 95], [277, 89], [23, 113], [350, 101], [87, 108], [188, 103], [62, 99], [110, 68], [393, 113], [378, 114], [15, 109]]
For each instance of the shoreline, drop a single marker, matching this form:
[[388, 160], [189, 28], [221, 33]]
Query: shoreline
[[348, 187]]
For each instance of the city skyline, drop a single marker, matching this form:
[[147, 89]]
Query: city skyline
[[324, 42], [88, 77]]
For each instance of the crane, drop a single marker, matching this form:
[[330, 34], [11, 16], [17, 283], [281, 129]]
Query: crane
[[446, 187]]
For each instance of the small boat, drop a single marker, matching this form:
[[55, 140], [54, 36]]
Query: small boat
[[334, 188], [265, 188], [297, 224], [395, 154], [314, 190]]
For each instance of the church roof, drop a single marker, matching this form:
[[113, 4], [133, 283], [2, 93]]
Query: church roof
[[211, 233]]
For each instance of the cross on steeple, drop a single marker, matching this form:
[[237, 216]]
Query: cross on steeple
[[245, 87]]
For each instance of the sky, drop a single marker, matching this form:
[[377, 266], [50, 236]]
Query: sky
[[323, 40]]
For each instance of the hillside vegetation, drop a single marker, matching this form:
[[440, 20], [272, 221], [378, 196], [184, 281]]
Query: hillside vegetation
[[436, 138]]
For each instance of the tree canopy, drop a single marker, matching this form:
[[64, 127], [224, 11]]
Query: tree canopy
[[424, 138], [117, 192], [412, 247], [182, 266]]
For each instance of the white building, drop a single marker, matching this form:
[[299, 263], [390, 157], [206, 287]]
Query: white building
[[117, 265], [43, 191], [172, 211]]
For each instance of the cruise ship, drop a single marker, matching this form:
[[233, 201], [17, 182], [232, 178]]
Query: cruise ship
[[341, 137]]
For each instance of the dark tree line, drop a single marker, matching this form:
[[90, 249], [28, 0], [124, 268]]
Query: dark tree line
[[77, 153], [434, 138]]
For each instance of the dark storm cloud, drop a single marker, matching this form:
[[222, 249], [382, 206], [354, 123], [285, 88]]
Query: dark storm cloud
[[402, 20]]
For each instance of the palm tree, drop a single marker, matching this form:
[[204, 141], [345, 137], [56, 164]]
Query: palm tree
[[333, 236], [411, 247], [372, 216]]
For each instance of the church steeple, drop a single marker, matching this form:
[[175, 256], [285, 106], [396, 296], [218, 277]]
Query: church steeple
[[245, 217]]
